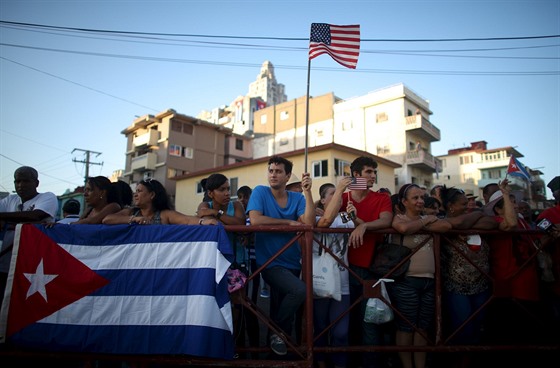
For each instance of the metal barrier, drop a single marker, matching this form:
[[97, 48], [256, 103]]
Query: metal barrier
[[302, 354]]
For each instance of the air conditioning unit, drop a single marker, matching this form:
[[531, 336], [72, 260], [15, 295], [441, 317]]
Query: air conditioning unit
[[148, 175]]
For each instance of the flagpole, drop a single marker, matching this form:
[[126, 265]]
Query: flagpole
[[307, 113]]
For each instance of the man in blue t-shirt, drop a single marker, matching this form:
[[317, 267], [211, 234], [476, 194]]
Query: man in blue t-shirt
[[274, 205]]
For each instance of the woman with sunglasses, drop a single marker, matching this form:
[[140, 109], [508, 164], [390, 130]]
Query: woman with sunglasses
[[152, 207]]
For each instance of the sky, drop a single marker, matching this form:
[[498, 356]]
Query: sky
[[489, 69]]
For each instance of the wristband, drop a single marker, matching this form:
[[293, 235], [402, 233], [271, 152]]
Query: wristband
[[200, 221]]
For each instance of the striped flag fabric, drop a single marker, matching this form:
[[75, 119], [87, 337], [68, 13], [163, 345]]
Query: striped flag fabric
[[358, 183], [342, 43], [515, 168], [120, 289]]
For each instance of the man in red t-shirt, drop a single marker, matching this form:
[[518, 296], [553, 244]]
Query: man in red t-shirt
[[368, 210]]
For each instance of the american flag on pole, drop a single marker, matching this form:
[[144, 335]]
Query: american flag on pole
[[342, 43], [119, 289]]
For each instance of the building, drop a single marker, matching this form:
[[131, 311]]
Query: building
[[332, 159], [239, 115], [391, 122], [170, 145], [472, 168]]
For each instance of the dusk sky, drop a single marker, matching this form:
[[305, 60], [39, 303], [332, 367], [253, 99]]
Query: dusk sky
[[490, 69]]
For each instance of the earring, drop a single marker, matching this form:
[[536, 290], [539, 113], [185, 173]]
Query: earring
[[100, 197]]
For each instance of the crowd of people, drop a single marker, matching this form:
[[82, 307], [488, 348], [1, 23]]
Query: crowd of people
[[489, 280]]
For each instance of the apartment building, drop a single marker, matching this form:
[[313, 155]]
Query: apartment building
[[170, 145], [472, 168], [392, 123]]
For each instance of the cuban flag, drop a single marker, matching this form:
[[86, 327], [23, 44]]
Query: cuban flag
[[122, 289], [515, 168]]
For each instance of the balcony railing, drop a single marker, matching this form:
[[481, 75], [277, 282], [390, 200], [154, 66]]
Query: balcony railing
[[422, 159], [144, 162], [148, 139], [423, 128]]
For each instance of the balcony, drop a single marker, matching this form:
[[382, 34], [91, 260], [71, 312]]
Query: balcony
[[144, 162], [146, 140], [422, 160], [421, 127]]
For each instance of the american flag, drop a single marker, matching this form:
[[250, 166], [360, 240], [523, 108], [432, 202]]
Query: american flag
[[342, 43], [358, 184]]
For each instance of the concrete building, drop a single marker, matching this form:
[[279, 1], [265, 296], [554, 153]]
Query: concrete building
[[391, 122], [170, 145], [239, 115], [333, 159], [472, 168]]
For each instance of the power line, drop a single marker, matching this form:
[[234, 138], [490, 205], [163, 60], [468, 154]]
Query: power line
[[34, 25]]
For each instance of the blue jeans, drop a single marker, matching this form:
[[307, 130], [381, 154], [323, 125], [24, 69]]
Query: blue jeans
[[459, 308], [325, 311], [371, 333], [287, 294]]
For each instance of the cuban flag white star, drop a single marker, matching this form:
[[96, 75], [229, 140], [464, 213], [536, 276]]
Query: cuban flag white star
[[38, 281]]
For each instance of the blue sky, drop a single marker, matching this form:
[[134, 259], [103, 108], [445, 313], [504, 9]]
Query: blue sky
[[60, 91]]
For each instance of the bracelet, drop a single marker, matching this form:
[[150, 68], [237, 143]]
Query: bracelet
[[422, 221], [200, 221]]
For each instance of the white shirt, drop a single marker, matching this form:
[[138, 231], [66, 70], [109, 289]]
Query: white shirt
[[46, 202]]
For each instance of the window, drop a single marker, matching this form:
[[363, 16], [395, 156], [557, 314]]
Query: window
[[199, 189], [347, 125], [175, 150], [188, 129], [171, 173], [189, 152], [383, 150], [176, 126], [341, 168], [284, 115], [320, 168], [239, 144], [381, 117], [263, 119], [494, 174], [233, 186]]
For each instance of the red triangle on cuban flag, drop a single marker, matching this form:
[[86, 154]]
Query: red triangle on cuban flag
[[46, 278]]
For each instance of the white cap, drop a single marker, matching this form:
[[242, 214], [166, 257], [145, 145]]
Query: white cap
[[496, 196]]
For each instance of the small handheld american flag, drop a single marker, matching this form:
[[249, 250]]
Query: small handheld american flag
[[358, 183]]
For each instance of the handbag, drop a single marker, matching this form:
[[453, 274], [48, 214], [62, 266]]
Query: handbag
[[326, 276], [388, 255]]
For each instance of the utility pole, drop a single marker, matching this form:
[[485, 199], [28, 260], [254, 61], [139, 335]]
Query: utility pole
[[87, 160]]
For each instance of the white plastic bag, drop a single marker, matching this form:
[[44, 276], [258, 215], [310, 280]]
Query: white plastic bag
[[326, 277], [377, 311]]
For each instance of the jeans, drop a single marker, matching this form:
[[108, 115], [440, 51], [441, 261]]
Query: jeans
[[459, 308], [370, 333], [325, 311], [287, 294]]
